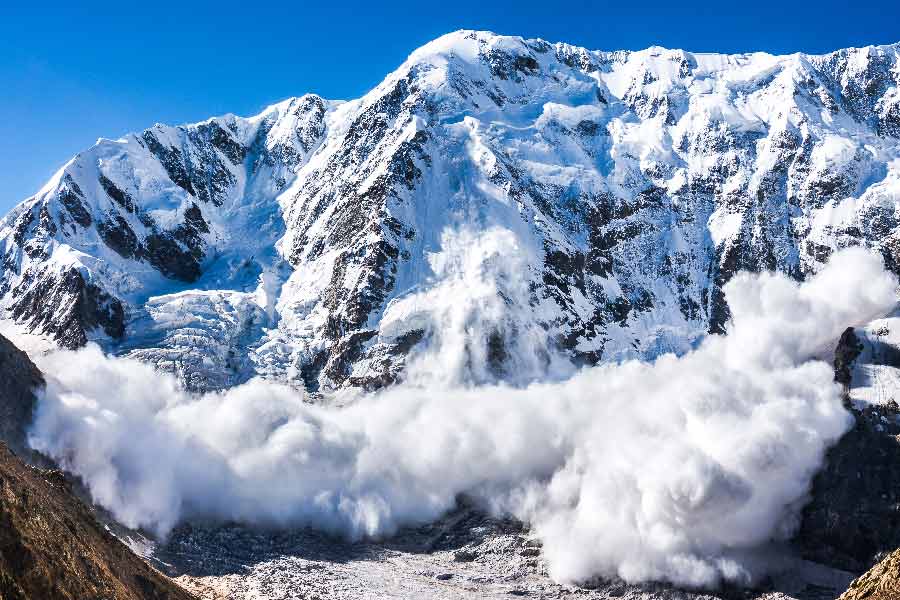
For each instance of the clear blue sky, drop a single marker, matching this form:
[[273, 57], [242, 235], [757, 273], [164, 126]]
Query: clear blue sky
[[71, 72]]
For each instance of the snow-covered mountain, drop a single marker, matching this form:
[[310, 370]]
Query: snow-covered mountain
[[542, 200]]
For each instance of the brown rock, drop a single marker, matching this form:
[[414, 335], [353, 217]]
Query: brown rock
[[52, 547], [881, 582]]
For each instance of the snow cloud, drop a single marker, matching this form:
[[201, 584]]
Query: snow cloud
[[673, 470]]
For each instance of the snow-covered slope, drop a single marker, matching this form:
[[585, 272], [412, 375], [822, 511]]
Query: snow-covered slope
[[525, 204]]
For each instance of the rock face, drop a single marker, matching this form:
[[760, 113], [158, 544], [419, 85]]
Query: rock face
[[467, 555], [854, 513], [881, 582], [52, 548], [19, 379], [847, 351], [302, 244]]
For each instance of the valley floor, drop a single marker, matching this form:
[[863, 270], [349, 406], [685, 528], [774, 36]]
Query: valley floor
[[465, 555]]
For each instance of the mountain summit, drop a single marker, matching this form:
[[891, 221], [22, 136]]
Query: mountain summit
[[552, 205]]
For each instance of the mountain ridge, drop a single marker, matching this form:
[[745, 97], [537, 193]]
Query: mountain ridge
[[302, 244]]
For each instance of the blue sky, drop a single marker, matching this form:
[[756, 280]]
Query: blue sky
[[71, 72]]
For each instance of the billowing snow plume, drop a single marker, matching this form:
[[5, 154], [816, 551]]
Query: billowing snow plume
[[476, 314], [673, 470]]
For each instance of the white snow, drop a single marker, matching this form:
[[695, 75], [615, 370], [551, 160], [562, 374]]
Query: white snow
[[668, 120]]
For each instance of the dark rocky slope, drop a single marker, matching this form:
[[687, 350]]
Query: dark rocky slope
[[854, 513], [52, 547]]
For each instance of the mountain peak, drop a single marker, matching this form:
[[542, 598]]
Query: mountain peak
[[462, 42], [309, 242]]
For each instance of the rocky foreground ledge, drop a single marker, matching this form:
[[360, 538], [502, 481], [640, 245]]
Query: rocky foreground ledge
[[51, 543]]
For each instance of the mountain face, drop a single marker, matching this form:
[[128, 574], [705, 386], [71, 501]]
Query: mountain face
[[506, 188], [52, 547]]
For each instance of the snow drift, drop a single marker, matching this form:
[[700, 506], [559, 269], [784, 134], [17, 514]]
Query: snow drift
[[673, 470]]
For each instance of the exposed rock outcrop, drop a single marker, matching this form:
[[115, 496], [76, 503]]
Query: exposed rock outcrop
[[881, 582], [854, 512], [19, 378], [847, 351]]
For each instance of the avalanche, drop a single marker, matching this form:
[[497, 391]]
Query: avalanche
[[680, 470]]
